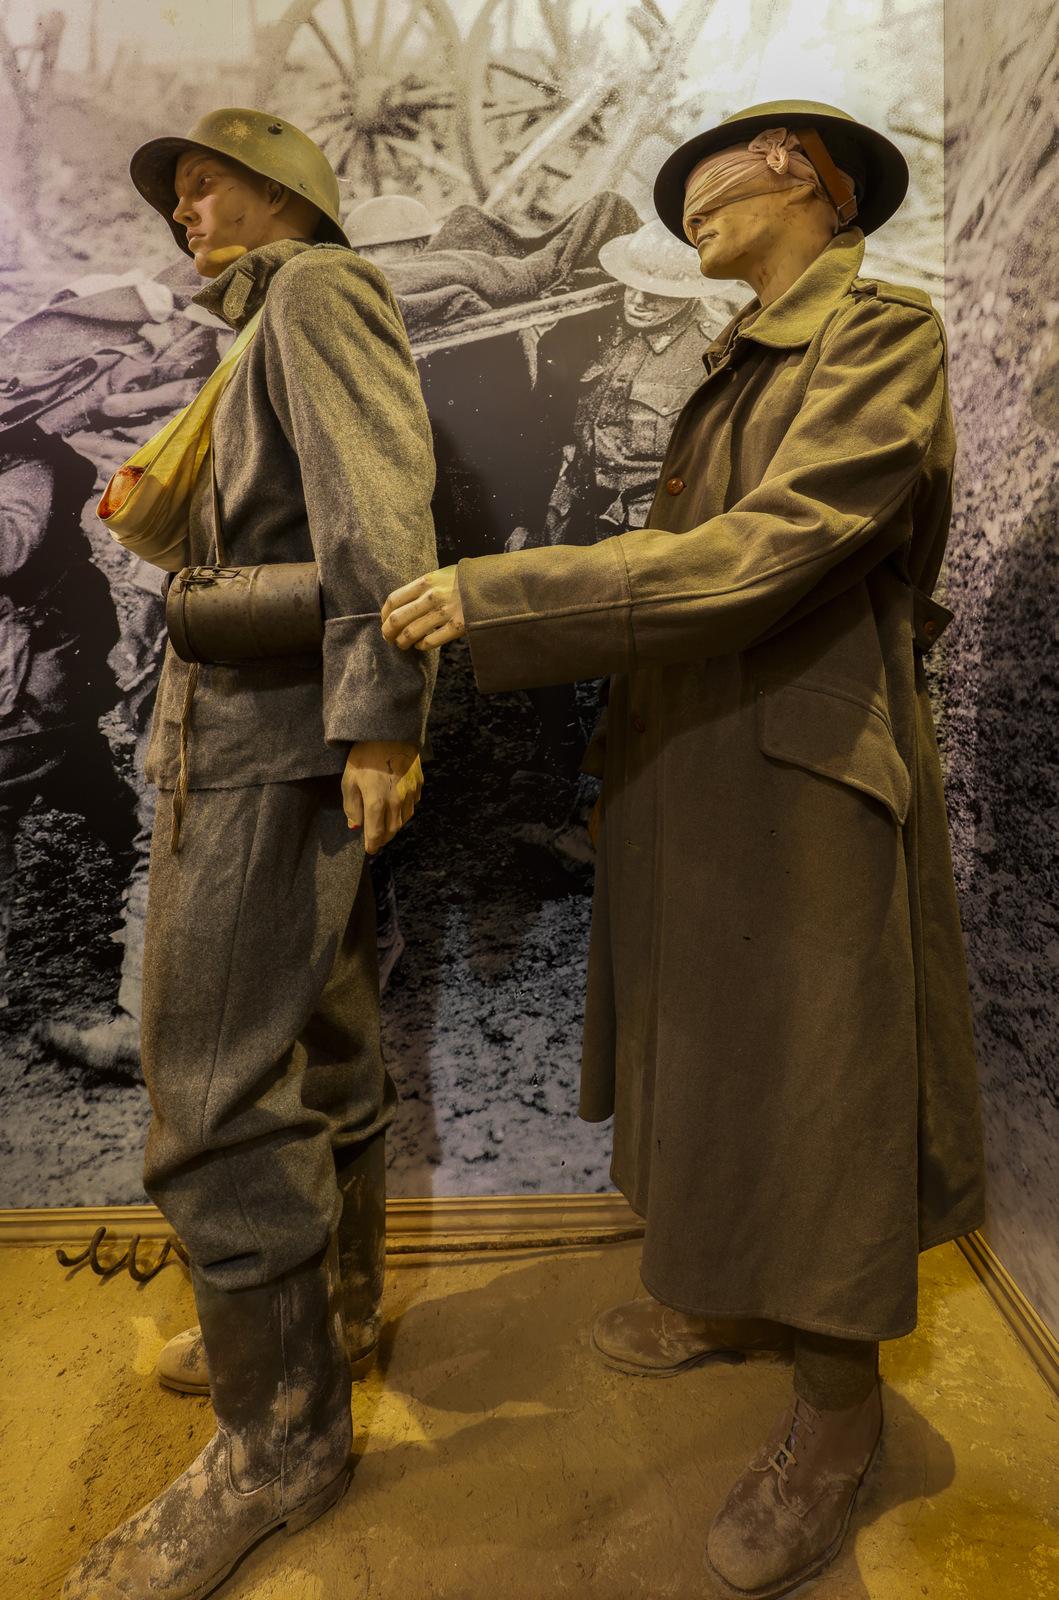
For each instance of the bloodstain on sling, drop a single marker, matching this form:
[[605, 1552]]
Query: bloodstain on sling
[[118, 490]]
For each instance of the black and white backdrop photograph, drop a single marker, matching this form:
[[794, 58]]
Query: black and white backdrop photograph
[[496, 159]]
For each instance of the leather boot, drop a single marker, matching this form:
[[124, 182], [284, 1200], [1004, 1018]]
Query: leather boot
[[650, 1340], [279, 1458], [362, 1261], [787, 1516]]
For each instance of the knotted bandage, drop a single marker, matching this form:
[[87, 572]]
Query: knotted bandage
[[772, 162]]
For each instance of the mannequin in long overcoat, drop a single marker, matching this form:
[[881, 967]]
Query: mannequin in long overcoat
[[777, 1011]]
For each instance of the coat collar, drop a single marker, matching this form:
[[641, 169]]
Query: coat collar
[[791, 321], [236, 293]]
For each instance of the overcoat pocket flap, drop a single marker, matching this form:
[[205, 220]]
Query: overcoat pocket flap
[[839, 737]]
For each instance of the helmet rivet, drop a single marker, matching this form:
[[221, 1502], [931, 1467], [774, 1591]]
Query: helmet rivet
[[275, 127]]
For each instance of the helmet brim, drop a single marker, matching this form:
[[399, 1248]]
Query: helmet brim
[[885, 170], [153, 171]]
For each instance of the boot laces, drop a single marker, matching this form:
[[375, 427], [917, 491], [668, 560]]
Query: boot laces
[[784, 1456]]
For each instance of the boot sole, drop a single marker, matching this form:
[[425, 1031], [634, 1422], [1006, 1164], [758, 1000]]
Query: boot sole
[[293, 1522], [731, 1358], [786, 1585], [629, 1369], [358, 1369]]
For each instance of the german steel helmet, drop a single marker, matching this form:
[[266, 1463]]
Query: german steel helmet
[[878, 169], [389, 219], [266, 144], [651, 259]]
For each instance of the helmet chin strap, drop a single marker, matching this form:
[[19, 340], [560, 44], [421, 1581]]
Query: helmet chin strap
[[839, 187]]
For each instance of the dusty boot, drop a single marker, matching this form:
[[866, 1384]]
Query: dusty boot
[[279, 1458], [650, 1340], [362, 1248], [362, 1261], [787, 1516]]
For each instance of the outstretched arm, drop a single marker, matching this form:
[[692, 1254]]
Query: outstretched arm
[[649, 597]]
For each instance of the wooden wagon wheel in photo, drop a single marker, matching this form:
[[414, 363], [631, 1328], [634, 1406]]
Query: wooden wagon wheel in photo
[[374, 83], [557, 95]]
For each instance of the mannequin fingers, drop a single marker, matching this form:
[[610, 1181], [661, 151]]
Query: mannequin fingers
[[402, 616], [443, 633], [403, 596], [418, 628], [352, 803], [376, 832]]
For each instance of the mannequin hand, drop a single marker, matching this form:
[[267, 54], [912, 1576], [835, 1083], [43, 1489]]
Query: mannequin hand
[[380, 786], [426, 613]]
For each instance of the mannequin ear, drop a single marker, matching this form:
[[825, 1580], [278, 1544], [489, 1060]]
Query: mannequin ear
[[277, 194]]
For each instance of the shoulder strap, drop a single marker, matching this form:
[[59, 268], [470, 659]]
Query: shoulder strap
[[236, 349]]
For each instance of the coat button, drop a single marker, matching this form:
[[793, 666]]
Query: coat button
[[639, 724], [675, 486]]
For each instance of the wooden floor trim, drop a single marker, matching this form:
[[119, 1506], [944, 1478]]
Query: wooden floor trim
[[1036, 1338], [429, 1222], [491, 1221]]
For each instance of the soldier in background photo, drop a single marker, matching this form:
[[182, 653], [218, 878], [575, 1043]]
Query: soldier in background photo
[[628, 403], [390, 227], [114, 353], [57, 627], [60, 626]]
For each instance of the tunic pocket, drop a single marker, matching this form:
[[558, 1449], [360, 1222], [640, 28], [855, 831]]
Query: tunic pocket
[[651, 415], [837, 736]]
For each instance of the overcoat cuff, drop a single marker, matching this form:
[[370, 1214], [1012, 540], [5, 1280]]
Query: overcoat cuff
[[553, 615], [372, 690]]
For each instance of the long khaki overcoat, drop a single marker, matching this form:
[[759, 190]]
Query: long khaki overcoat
[[777, 1010]]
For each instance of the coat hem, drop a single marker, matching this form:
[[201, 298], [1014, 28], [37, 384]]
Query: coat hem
[[951, 1234], [795, 1320], [759, 1313]]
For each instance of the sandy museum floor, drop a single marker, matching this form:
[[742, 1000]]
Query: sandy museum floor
[[497, 1459]]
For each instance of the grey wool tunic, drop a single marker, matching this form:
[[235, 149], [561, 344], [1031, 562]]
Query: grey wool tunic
[[777, 1011], [323, 452]]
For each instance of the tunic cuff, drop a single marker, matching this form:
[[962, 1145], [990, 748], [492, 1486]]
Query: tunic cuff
[[555, 615], [372, 690]]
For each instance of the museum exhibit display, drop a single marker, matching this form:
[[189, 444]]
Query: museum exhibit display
[[527, 798]]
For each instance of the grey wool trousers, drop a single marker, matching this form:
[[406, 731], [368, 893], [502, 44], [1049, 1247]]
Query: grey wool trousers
[[260, 1034]]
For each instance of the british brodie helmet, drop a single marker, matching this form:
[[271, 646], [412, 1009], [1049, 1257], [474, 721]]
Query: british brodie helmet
[[877, 167], [266, 144]]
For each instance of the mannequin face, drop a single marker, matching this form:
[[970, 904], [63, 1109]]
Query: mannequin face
[[228, 210], [766, 241], [732, 237], [643, 310]]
